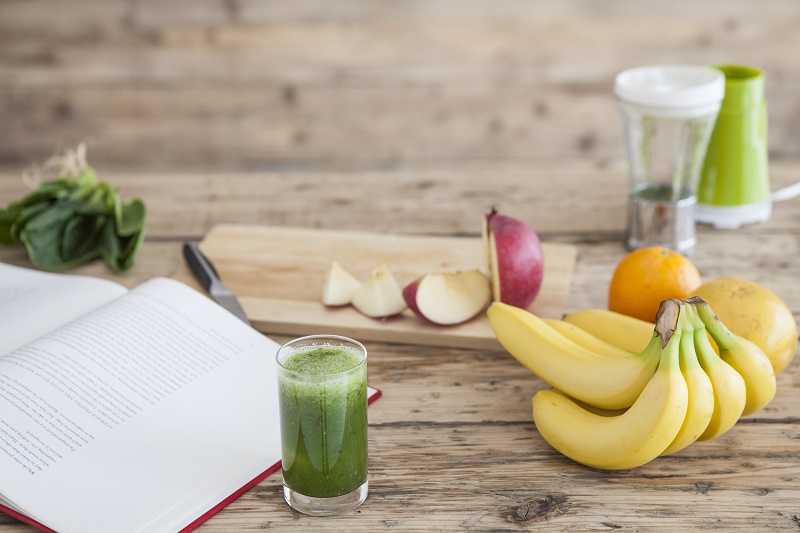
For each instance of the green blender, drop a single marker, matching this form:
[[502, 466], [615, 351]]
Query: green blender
[[734, 186]]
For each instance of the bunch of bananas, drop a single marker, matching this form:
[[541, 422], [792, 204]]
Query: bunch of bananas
[[613, 408]]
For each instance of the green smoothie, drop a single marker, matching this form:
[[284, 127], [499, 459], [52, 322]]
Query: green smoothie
[[323, 406]]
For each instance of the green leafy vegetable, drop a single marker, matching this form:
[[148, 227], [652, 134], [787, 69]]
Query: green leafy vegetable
[[75, 219]]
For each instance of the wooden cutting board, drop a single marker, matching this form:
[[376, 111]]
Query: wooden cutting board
[[278, 274]]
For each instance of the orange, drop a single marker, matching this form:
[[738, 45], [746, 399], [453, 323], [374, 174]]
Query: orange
[[646, 277]]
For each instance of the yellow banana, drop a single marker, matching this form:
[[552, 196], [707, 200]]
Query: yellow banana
[[626, 441], [583, 338], [744, 356], [628, 333], [591, 408], [606, 382], [729, 388], [701, 392]]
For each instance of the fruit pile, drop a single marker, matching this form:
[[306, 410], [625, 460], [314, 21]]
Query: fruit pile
[[615, 412], [625, 390]]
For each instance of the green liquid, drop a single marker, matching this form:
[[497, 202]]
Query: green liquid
[[324, 421], [661, 193]]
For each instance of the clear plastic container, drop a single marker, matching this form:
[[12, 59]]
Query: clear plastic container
[[668, 115]]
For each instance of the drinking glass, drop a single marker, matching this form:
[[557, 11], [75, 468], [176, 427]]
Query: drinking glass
[[322, 389]]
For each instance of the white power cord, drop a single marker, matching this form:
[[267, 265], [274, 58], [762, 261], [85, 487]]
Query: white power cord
[[786, 193]]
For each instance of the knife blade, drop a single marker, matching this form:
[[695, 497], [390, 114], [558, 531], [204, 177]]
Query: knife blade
[[208, 277]]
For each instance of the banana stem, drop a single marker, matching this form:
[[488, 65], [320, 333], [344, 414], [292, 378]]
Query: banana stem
[[667, 319], [693, 320], [719, 332]]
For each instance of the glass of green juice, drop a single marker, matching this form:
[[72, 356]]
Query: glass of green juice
[[322, 384]]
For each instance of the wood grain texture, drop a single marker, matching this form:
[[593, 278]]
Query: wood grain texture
[[583, 198], [415, 117], [246, 84], [278, 274], [452, 443]]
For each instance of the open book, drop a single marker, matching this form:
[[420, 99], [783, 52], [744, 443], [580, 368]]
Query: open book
[[141, 410]]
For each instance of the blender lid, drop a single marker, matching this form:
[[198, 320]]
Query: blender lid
[[672, 87]]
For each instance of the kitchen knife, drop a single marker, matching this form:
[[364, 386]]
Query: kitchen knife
[[207, 275]]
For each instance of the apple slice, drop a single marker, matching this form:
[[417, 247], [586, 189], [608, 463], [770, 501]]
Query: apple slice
[[449, 298], [340, 286], [516, 261], [380, 295]]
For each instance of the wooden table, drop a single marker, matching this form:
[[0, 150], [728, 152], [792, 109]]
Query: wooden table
[[452, 442], [418, 117]]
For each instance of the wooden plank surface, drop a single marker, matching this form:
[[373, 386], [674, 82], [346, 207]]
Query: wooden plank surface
[[580, 198], [415, 117], [247, 84], [452, 444], [278, 273]]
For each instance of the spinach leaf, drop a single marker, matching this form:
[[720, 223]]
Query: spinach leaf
[[72, 220]]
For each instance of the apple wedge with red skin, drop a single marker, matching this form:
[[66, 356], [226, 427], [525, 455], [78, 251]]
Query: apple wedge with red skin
[[516, 261], [448, 298]]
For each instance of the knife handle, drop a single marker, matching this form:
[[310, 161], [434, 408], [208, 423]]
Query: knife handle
[[200, 265]]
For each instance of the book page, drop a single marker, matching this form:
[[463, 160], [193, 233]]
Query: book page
[[139, 416], [33, 303]]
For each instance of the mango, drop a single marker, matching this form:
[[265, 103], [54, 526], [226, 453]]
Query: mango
[[755, 313]]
